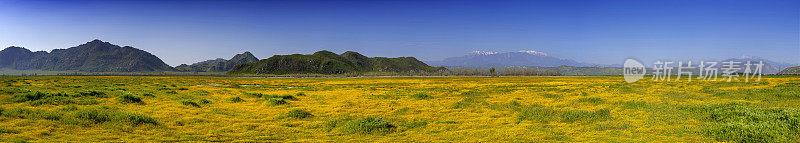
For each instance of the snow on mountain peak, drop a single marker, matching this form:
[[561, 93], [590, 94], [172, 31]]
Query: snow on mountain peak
[[534, 52], [483, 52]]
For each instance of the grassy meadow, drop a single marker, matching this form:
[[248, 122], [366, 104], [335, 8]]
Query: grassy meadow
[[396, 109]]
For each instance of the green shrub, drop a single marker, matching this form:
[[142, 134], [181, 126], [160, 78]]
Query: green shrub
[[236, 99], [298, 113], [61, 100], [205, 101], [26, 113], [102, 115], [148, 95], [285, 97], [136, 119], [421, 96], [300, 94], [277, 101], [127, 98], [8, 131], [259, 95], [96, 115], [370, 125], [1, 111], [92, 93], [190, 103], [29, 96]]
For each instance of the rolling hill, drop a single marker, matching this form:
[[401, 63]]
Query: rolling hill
[[326, 62], [791, 71], [219, 64]]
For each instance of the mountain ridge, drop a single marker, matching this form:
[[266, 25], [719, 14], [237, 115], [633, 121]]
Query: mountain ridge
[[326, 62], [93, 56], [219, 64]]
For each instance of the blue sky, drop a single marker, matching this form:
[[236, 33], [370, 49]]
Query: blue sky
[[602, 31]]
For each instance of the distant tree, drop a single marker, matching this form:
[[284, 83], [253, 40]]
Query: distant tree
[[492, 72]]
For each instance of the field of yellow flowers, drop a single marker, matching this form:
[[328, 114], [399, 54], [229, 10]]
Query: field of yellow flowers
[[396, 109]]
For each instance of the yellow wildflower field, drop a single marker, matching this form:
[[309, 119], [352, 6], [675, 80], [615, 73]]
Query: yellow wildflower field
[[395, 109]]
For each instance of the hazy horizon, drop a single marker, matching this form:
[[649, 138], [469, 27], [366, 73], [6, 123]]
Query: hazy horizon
[[597, 32]]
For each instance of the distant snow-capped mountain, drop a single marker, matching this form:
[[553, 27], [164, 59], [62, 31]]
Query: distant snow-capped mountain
[[501, 59]]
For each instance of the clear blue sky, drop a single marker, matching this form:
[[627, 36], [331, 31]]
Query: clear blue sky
[[601, 31]]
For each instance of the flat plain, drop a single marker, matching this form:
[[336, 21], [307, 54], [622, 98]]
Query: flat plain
[[396, 109]]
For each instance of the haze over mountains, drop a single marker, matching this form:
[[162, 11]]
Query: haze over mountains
[[498, 59], [99, 56]]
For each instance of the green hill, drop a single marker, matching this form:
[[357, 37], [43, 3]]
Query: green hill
[[94, 56], [218, 65], [326, 62], [791, 71]]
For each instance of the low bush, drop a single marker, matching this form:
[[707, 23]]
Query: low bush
[[276, 101], [298, 113], [190, 103], [369, 125], [204, 101], [8, 131], [102, 115], [127, 98], [236, 99]]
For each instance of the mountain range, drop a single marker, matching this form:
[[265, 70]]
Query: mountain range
[[99, 56], [219, 64], [326, 62], [498, 59], [94, 56]]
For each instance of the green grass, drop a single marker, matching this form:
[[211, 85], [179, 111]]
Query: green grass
[[544, 114], [742, 122], [589, 116], [369, 125], [43, 98], [27, 113], [105, 114], [537, 113]]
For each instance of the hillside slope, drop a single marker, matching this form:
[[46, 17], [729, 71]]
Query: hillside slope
[[94, 56], [791, 71], [326, 62], [219, 64]]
